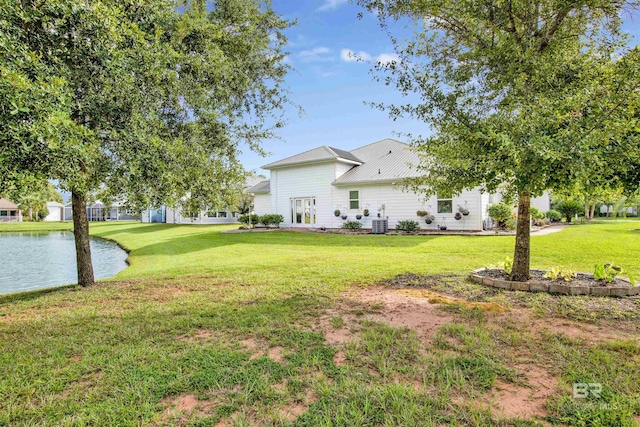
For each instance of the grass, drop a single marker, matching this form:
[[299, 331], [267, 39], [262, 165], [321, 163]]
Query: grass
[[232, 323]]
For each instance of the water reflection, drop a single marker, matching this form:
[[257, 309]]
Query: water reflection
[[34, 260]]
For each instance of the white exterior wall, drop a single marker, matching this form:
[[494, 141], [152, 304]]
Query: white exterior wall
[[399, 206], [174, 217], [262, 204], [56, 212], [543, 202], [300, 182]]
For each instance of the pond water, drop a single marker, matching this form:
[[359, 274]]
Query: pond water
[[35, 260]]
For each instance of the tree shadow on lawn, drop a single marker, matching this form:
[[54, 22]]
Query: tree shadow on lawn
[[126, 228], [191, 243]]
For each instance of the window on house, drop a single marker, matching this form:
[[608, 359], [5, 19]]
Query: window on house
[[354, 199], [212, 214], [222, 214], [445, 203]]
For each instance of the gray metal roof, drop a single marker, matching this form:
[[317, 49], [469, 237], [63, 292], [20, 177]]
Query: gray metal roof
[[345, 155], [315, 155], [261, 187], [384, 161]]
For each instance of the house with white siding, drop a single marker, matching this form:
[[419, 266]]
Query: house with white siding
[[319, 187], [213, 215]]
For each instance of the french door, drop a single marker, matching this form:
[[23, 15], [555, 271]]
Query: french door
[[303, 211]]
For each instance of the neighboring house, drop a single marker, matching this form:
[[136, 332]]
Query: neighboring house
[[56, 212], [154, 215], [98, 211], [309, 187], [608, 210], [214, 215], [9, 211]]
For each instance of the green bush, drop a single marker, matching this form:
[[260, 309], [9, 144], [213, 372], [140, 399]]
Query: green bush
[[554, 215], [511, 224], [500, 213], [271, 219], [265, 220], [408, 226], [255, 219], [536, 213], [569, 208], [352, 225], [42, 214]]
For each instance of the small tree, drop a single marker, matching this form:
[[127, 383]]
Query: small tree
[[523, 96], [569, 208], [500, 213]]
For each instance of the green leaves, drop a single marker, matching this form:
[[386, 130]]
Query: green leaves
[[516, 94], [138, 100]]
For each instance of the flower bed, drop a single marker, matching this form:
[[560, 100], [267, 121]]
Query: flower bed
[[583, 284]]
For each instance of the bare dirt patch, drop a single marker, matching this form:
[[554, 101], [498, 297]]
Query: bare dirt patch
[[524, 401], [276, 354], [588, 332], [293, 411], [400, 310], [250, 343], [185, 405], [339, 358]]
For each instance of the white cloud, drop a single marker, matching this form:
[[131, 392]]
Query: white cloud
[[320, 54], [326, 74], [331, 5], [387, 58], [348, 55]]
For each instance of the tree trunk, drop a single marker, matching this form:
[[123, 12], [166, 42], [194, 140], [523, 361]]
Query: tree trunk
[[521, 255], [586, 210], [81, 233], [593, 210]]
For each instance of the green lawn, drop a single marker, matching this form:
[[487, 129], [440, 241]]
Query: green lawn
[[188, 320]]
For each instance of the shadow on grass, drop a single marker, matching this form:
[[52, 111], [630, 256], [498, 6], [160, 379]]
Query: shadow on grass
[[35, 294], [204, 240]]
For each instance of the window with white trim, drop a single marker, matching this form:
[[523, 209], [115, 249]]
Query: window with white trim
[[354, 199], [445, 203]]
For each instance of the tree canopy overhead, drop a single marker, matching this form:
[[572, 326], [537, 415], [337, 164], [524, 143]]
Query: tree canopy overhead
[[148, 101], [523, 96]]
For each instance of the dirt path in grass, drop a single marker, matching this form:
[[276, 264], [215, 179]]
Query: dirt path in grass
[[423, 313]]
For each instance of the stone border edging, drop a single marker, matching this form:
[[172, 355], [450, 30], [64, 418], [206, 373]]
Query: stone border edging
[[555, 287]]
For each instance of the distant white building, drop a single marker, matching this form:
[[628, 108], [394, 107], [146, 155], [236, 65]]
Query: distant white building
[[320, 187], [213, 215], [56, 212]]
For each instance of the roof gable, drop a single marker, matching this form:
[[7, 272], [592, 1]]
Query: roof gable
[[6, 204], [319, 154]]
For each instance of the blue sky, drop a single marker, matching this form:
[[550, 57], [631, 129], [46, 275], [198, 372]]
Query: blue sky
[[332, 88]]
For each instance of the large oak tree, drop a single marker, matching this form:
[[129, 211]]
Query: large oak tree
[[522, 96], [148, 101]]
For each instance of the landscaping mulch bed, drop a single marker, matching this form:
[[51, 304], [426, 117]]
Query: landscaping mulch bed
[[582, 284]]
